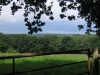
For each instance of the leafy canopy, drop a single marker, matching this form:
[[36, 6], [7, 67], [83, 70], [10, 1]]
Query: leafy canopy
[[89, 10]]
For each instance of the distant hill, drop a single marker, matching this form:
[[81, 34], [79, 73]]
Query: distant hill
[[43, 34]]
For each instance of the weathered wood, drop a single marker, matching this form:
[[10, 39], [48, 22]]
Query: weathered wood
[[95, 62], [89, 62], [42, 54], [13, 66]]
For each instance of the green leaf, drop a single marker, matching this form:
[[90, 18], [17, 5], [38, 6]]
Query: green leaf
[[63, 9], [80, 27], [40, 29], [62, 16], [42, 23], [49, 8], [37, 9], [69, 17], [26, 19], [51, 18], [33, 23], [25, 14]]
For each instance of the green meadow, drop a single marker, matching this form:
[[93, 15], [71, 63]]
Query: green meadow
[[36, 62]]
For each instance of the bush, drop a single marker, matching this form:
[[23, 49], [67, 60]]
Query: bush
[[11, 51]]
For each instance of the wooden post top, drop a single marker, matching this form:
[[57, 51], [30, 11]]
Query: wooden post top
[[95, 53]]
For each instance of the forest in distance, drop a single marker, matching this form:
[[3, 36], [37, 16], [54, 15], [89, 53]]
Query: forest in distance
[[24, 43]]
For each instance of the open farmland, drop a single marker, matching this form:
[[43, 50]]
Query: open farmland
[[30, 63]]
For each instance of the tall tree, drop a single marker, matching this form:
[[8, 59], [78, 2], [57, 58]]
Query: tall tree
[[3, 44], [65, 43]]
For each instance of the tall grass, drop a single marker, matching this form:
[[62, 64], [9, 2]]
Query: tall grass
[[30, 63]]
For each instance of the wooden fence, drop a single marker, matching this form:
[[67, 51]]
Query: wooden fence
[[96, 59], [33, 55]]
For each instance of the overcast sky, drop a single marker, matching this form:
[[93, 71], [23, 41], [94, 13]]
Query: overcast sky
[[14, 24]]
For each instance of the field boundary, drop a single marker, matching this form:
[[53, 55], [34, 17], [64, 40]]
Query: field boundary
[[87, 51]]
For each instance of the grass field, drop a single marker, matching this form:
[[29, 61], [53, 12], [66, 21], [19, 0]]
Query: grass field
[[30, 63]]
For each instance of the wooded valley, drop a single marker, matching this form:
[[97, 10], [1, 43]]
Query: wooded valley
[[23, 43]]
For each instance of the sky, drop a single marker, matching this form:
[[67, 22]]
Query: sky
[[14, 24]]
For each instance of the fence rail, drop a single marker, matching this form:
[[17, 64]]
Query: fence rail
[[42, 54]]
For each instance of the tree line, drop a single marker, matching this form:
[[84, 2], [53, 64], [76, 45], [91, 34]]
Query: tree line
[[23, 43]]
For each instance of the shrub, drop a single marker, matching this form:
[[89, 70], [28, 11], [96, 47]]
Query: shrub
[[11, 51]]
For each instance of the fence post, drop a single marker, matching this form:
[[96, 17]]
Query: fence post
[[89, 62], [95, 62], [13, 66]]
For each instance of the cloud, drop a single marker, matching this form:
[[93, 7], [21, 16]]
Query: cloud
[[8, 17], [16, 28], [63, 27], [15, 23]]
